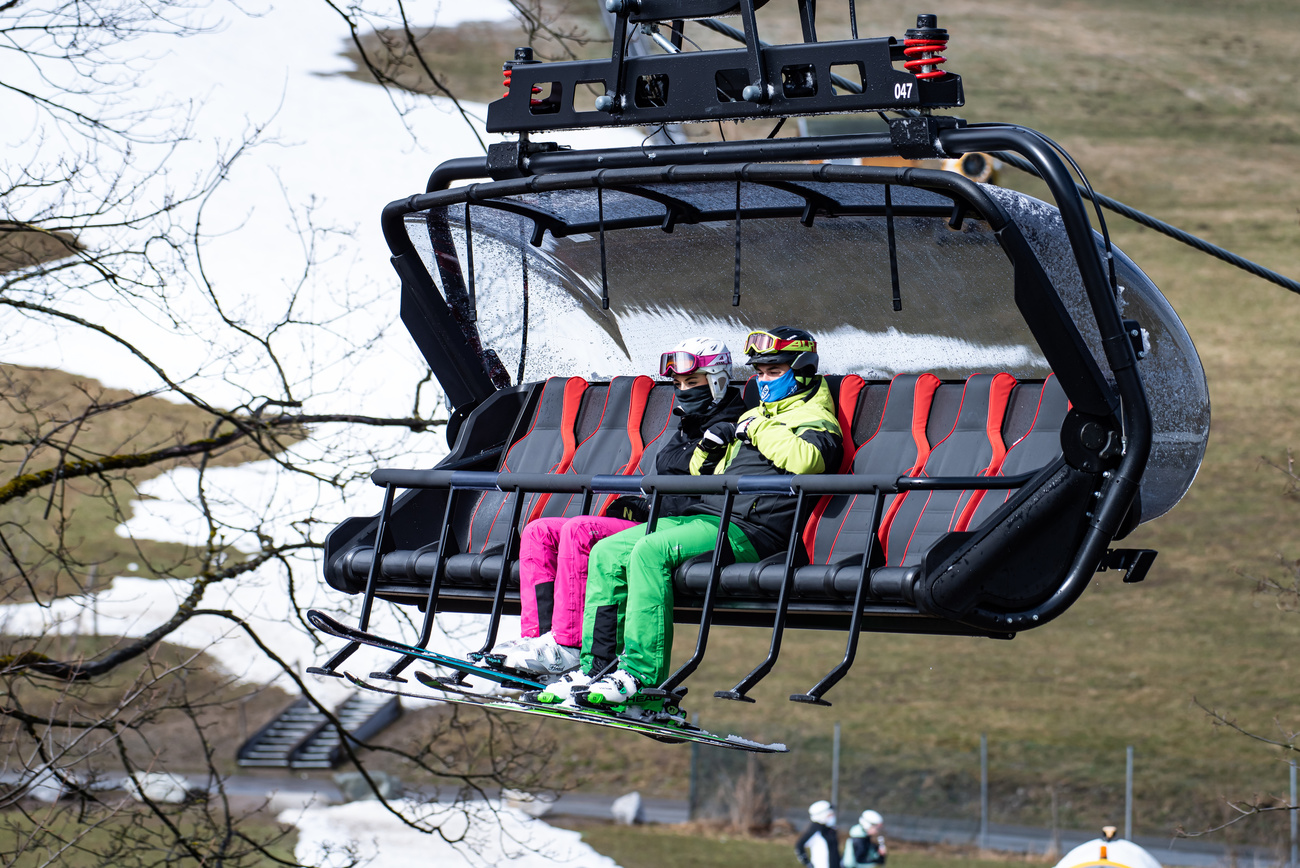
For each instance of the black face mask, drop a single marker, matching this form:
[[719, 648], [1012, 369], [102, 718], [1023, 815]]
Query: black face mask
[[695, 400]]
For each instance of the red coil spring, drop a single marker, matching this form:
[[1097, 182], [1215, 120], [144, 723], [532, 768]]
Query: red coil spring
[[924, 57], [505, 74]]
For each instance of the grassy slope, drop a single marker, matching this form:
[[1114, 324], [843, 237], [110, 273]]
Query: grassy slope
[[32, 403], [1188, 111]]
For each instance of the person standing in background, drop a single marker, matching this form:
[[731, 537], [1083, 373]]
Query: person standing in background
[[819, 843], [866, 843]]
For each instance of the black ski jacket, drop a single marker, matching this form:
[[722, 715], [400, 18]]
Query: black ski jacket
[[675, 457], [818, 846], [798, 434]]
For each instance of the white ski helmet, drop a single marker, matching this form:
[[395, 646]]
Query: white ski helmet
[[700, 354], [822, 812], [870, 818]]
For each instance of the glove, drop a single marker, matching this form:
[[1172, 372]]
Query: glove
[[743, 426], [629, 507], [718, 436]]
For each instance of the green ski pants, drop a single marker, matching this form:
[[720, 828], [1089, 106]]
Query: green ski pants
[[629, 608]]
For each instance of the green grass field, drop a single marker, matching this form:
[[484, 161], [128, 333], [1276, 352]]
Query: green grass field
[[655, 846], [1188, 111]]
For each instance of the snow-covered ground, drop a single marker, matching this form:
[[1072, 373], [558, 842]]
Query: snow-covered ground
[[339, 148], [493, 835]]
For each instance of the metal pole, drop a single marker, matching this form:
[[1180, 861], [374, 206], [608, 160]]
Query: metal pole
[[1295, 846], [984, 791], [835, 768], [1128, 794], [695, 772]]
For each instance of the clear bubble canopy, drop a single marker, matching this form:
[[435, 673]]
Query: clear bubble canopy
[[838, 275]]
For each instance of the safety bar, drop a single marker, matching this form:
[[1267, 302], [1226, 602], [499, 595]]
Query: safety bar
[[573, 483]]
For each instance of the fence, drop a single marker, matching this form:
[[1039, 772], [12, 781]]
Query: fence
[[1018, 783]]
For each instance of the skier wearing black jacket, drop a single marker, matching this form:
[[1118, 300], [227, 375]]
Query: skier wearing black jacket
[[697, 411], [819, 845]]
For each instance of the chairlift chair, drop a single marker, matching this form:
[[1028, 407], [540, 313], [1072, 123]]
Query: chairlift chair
[[1015, 394]]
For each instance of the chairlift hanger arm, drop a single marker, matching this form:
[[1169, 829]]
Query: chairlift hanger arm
[[675, 210], [542, 219]]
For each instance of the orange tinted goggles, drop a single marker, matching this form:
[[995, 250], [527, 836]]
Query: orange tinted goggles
[[760, 342]]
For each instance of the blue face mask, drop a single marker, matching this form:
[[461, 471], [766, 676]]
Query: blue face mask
[[774, 390]]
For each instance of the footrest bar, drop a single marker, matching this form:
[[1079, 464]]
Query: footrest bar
[[733, 695], [809, 699]]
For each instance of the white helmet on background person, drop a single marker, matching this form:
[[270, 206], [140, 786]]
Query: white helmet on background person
[[700, 354], [822, 812], [870, 818]]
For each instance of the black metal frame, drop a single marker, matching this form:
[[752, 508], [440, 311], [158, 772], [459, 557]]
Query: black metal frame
[[779, 80], [444, 326]]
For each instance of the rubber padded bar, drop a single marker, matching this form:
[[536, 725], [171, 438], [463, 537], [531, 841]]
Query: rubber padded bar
[[482, 480], [606, 483], [564, 483]]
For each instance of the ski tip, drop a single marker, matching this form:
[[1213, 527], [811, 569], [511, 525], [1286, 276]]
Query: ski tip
[[750, 744]]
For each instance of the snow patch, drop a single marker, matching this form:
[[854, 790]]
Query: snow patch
[[486, 833]]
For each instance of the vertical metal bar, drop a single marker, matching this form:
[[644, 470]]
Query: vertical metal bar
[[984, 791], [469, 256], [721, 548], [893, 249], [523, 320], [600, 221], [1128, 793], [738, 692], [757, 73], [656, 506], [808, 19], [498, 599], [1295, 815], [372, 578], [618, 72], [691, 804], [445, 543], [814, 696], [735, 291], [835, 768]]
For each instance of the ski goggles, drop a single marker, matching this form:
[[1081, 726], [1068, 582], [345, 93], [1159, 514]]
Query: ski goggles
[[681, 362], [759, 342]]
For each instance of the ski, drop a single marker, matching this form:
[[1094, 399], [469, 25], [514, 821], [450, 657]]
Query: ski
[[668, 732], [683, 732], [327, 624], [456, 694]]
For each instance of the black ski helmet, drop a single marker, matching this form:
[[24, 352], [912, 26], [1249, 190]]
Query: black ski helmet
[[803, 360]]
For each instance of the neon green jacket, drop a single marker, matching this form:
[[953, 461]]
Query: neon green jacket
[[799, 434]]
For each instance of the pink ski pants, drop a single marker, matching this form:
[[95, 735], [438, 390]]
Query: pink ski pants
[[553, 572]]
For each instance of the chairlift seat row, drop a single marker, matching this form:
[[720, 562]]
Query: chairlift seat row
[[579, 428]]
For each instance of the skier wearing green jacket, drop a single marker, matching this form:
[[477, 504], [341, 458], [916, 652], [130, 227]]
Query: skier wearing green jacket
[[628, 615]]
